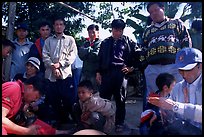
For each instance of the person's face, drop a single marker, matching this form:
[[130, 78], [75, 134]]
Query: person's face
[[30, 94], [117, 33], [156, 13], [31, 70], [44, 31], [59, 26], [6, 51], [84, 93], [93, 34], [191, 75], [21, 33], [169, 89]]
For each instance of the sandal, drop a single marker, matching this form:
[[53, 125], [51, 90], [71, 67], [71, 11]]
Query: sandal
[[119, 128]]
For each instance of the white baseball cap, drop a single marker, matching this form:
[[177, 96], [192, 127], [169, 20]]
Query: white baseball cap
[[35, 61]]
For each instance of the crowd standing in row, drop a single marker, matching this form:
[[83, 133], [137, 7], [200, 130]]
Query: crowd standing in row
[[83, 93]]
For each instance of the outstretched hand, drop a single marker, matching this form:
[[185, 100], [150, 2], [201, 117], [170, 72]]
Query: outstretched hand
[[161, 102]]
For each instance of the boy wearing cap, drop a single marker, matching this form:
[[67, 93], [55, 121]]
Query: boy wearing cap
[[93, 111], [20, 54], [32, 69], [186, 98]]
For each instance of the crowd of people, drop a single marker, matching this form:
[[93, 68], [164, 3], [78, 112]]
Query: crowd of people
[[54, 81]]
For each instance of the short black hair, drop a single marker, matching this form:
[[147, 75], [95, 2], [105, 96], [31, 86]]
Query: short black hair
[[86, 83], [38, 83], [118, 24], [43, 24], [164, 79], [6, 42], [160, 4], [92, 27], [58, 18]]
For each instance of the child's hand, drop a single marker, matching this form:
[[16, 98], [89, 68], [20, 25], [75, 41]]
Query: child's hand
[[85, 116]]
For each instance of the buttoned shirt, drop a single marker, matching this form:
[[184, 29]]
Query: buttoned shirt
[[59, 50], [191, 111]]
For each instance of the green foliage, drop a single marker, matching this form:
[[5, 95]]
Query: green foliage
[[33, 13]]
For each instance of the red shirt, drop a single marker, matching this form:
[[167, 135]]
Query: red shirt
[[12, 97], [12, 93]]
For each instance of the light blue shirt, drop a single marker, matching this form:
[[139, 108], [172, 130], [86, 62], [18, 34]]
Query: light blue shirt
[[191, 111], [19, 57]]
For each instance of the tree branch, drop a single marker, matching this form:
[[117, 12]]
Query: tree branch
[[70, 7]]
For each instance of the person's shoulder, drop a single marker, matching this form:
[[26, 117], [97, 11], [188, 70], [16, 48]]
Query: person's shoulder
[[107, 39], [177, 20], [12, 86]]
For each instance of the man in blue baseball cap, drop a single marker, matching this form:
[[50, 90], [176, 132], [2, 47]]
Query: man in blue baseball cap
[[186, 97], [21, 54]]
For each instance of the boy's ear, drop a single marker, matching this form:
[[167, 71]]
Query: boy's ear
[[165, 87]]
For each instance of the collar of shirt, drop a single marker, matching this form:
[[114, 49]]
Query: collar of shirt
[[21, 85], [24, 44], [55, 36], [166, 19], [195, 83]]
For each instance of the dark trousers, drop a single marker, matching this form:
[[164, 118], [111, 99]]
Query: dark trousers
[[62, 96], [76, 74], [114, 84]]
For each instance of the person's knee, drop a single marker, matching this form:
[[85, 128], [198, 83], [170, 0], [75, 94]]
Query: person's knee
[[97, 118]]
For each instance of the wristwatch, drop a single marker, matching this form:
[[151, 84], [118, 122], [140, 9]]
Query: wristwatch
[[175, 107]]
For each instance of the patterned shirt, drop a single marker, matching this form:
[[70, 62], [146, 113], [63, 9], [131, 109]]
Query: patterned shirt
[[162, 41]]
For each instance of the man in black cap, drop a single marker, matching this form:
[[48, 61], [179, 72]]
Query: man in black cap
[[20, 54]]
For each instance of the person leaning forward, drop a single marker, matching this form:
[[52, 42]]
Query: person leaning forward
[[17, 96], [186, 97]]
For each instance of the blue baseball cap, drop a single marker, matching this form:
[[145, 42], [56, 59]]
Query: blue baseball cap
[[187, 58], [22, 26]]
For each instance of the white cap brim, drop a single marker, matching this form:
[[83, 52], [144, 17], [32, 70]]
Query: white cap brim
[[188, 67]]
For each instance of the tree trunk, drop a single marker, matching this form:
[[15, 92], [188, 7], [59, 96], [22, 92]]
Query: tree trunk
[[9, 35]]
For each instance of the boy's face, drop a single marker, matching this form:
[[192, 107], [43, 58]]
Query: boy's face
[[21, 33], [93, 34], [168, 90], [84, 93], [31, 69], [117, 33], [44, 31]]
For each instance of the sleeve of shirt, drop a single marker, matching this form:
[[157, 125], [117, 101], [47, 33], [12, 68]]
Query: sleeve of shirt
[[189, 111], [184, 36], [46, 53], [8, 96]]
